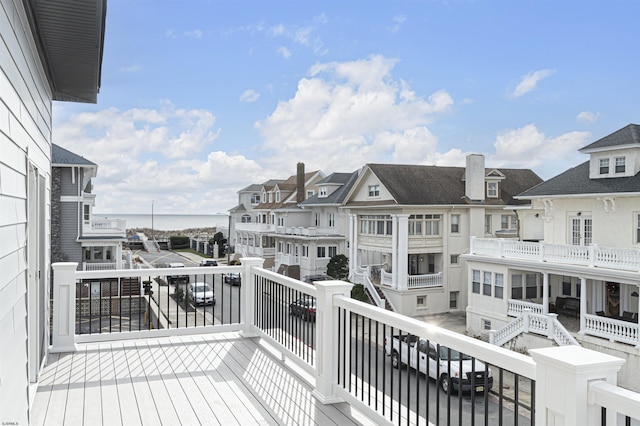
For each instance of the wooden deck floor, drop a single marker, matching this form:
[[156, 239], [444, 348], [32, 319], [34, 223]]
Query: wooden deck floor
[[212, 379]]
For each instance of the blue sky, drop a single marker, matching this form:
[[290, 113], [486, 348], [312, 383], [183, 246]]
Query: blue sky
[[202, 98]]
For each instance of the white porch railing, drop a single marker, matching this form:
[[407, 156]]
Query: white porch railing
[[592, 255], [529, 322], [105, 227], [571, 384], [363, 277], [424, 281], [87, 266], [612, 329], [517, 307]]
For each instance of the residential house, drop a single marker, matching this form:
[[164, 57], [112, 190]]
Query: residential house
[[409, 224], [579, 257], [277, 209], [76, 235], [49, 51], [307, 239]]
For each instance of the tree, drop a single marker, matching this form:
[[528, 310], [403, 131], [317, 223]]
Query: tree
[[338, 267], [218, 238]]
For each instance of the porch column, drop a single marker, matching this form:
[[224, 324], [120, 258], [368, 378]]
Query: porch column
[[583, 304], [118, 255], [352, 242], [563, 375], [394, 252], [247, 294], [327, 345], [403, 251], [64, 307], [545, 293]]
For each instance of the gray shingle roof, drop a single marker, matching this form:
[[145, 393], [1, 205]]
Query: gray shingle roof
[[434, 185], [628, 135], [61, 156], [346, 180], [575, 181]]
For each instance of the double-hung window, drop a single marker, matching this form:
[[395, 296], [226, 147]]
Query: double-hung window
[[331, 218], [475, 281], [455, 223], [333, 250], [374, 190], [499, 286], [432, 224], [620, 164], [516, 286], [492, 189], [637, 228], [486, 283], [604, 166], [321, 252]]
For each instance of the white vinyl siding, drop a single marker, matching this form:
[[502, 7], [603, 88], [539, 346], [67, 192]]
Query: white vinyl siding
[[25, 102]]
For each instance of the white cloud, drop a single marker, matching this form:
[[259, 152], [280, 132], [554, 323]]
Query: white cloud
[[170, 33], [588, 117], [528, 147], [398, 20], [348, 113], [286, 53], [197, 33], [529, 82], [131, 68], [166, 154], [249, 95]]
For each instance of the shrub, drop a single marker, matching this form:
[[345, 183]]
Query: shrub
[[358, 293], [338, 267], [179, 242]]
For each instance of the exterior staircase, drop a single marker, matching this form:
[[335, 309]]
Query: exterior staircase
[[529, 322]]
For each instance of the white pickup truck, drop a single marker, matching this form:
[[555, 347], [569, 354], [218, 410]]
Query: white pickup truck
[[407, 349]]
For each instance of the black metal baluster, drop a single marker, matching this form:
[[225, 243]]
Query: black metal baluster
[[460, 379], [473, 392], [500, 394], [516, 399], [532, 409], [426, 379], [450, 386]]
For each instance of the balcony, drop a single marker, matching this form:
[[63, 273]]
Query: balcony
[[105, 227], [258, 356], [413, 281], [255, 227], [591, 256]]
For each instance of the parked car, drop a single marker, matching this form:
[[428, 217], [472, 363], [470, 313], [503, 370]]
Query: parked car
[[208, 262], [305, 307], [309, 279], [173, 279], [233, 278], [201, 294]]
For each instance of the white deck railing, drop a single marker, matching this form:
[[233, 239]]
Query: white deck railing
[[571, 384], [518, 307], [424, 281], [87, 266], [592, 255], [105, 227], [612, 329]]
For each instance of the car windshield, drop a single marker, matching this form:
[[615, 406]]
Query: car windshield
[[201, 288], [455, 355]]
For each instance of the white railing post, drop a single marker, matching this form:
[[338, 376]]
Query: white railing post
[[247, 295], [562, 379], [64, 307], [525, 317], [592, 255], [500, 252], [541, 253], [551, 325], [492, 337], [326, 344]]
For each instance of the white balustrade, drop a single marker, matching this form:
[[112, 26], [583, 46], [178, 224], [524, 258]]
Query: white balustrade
[[612, 329], [593, 255], [111, 266], [517, 307], [424, 281]]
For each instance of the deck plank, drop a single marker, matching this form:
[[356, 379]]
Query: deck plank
[[75, 395], [111, 412], [217, 379], [129, 408]]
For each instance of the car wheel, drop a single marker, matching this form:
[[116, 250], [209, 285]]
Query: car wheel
[[445, 383], [395, 359]]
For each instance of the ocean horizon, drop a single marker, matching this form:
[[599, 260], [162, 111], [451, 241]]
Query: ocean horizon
[[170, 222]]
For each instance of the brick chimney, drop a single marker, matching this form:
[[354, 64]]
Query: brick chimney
[[474, 178], [300, 193]]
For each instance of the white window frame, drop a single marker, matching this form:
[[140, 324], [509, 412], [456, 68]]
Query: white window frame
[[455, 223], [487, 224], [620, 164], [492, 189], [374, 191], [332, 251], [486, 283], [255, 199], [432, 225], [277, 196], [331, 219], [475, 281], [322, 192], [498, 291], [321, 252], [603, 166], [637, 228], [508, 222], [305, 250]]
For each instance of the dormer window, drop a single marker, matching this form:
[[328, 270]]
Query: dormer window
[[492, 189], [310, 193], [277, 196], [322, 192], [620, 164], [604, 166], [264, 197], [271, 197], [374, 190], [255, 199]]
